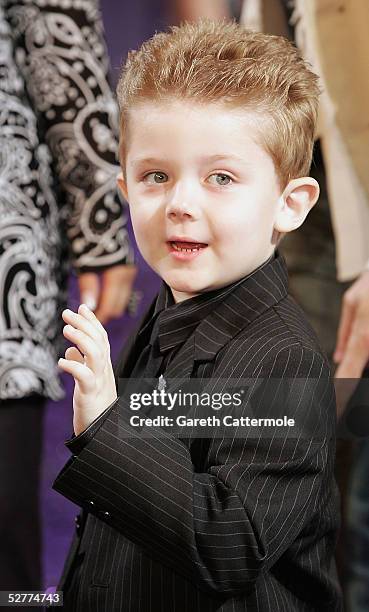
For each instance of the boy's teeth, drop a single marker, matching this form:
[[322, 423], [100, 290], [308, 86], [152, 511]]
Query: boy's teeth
[[178, 246]]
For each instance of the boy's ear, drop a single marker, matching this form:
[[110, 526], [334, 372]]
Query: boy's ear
[[296, 201], [122, 185]]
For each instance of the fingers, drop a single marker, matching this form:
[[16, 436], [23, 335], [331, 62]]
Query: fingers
[[80, 372], [116, 289], [85, 331], [345, 327], [356, 354], [111, 299], [73, 354], [86, 321], [107, 305], [85, 312], [352, 351], [89, 288]]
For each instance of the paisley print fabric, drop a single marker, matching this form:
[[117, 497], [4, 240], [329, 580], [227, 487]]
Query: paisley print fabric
[[58, 198]]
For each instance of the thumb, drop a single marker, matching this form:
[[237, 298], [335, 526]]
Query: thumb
[[89, 288]]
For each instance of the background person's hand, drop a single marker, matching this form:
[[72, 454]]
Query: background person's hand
[[352, 349], [107, 294], [90, 365]]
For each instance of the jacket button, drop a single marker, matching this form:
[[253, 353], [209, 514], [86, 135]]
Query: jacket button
[[77, 520], [91, 504], [104, 515]]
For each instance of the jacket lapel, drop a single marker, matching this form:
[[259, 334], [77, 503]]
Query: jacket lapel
[[259, 292]]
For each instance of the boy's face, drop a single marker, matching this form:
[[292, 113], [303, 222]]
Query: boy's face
[[196, 177]]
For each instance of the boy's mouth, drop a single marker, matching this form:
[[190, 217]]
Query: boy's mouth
[[187, 247]]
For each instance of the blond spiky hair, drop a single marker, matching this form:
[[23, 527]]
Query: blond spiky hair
[[211, 62]]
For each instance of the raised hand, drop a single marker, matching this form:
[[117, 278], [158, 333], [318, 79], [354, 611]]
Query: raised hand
[[90, 365]]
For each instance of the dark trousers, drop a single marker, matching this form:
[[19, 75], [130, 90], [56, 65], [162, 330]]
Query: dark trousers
[[20, 459]]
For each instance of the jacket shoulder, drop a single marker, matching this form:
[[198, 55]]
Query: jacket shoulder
[[279, 343]]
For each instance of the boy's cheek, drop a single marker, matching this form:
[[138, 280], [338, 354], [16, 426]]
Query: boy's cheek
[[145, 240]]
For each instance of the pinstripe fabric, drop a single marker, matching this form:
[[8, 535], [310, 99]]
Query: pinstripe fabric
[[230, 524]]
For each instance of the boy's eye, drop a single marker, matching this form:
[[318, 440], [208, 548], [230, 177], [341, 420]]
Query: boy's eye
[[220, 179], [156, 177]]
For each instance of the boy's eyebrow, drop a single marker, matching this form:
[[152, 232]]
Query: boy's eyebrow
[[145, 160], [207, 158], [222, 157]]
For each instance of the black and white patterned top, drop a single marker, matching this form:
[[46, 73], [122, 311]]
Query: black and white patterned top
[[58, 198]]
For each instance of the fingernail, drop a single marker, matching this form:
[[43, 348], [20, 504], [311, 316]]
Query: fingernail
[[89, 301]]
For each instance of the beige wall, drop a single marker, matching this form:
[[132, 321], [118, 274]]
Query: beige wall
[[342, 34]]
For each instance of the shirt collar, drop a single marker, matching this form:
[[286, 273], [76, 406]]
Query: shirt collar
[[173, 323], [254, 295]]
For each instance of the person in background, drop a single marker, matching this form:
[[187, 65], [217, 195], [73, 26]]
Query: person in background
[[59, 210]]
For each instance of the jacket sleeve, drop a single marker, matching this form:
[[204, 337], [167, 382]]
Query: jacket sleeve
[[223, 525], [62, 56]]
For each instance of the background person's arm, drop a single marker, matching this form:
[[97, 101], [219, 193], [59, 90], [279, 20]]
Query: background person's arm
[[62, 56], [192, 10]]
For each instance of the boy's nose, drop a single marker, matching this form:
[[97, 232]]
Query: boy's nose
[[178, 211], [181, 205]]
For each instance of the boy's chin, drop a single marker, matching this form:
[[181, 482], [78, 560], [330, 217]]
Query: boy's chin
[[186, 283], [186, 288]]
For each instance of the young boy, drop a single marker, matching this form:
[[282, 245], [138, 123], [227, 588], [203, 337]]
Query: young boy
[[217, 128]]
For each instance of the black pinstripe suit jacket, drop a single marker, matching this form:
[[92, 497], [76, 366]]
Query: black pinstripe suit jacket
[[190, 525]]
